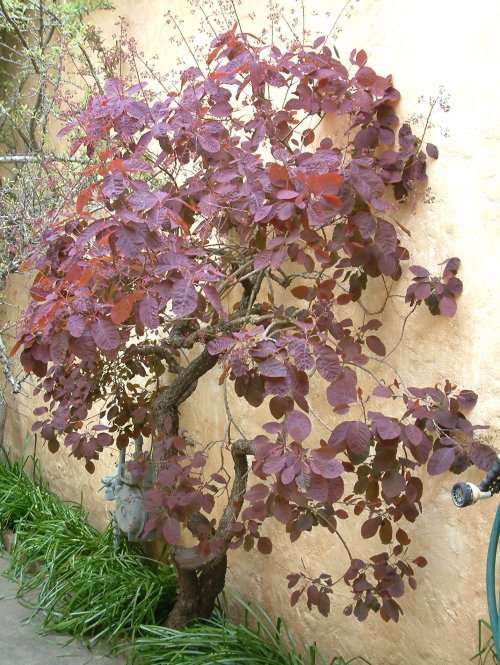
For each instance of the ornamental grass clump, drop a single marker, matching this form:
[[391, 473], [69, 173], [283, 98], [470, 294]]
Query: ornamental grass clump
[[21, 494], [82, 584], [258, 640]]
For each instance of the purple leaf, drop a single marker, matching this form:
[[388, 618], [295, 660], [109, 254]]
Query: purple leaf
[[288, 474], [171, 530], [59, 347], [105, 335], [285, 194], [148, 311], [213, 297], [343, 390], [263, 259], [257, 493], [262, 212], [386, 429], [338, 435], [432, 151], [440, 461], [219, 345], [323, 462], [327, 363], [221, 109], [358, 437], [382, 391], [393, 484], [447, 306], [184, 298], [298, 426], [209, 205], [114, 185], [209, 143], [76, 325], [451, 267], [274, 464], [418, 271], [483, 456], [273, 368], [142, 200], [414, 434], [129, 241], [421, 291], [385, 237], [467, 399], [282, 510]]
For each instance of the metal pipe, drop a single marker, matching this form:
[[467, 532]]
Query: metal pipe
[[491, 593]]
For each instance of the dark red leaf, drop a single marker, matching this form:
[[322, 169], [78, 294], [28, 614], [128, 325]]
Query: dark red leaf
[[385, 532], [264, 545], [323, 604], [402, 537], [370, 527], [393, 484], [375, 345]]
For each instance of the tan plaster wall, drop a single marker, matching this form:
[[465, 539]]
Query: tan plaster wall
[[424, 44]]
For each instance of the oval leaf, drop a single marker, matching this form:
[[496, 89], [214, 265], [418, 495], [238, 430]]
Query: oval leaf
[[440, 461], [298, 426]]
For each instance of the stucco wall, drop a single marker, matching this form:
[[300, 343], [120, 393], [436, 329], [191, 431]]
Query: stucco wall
[[425, 45]]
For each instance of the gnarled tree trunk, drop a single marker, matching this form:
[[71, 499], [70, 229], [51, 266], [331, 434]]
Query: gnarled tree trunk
[[198, 593], [201, 577]]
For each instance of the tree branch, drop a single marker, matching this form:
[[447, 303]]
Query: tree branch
[[19, 35], [180, 389], [4, 359], [189, 558], [161, 352]]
